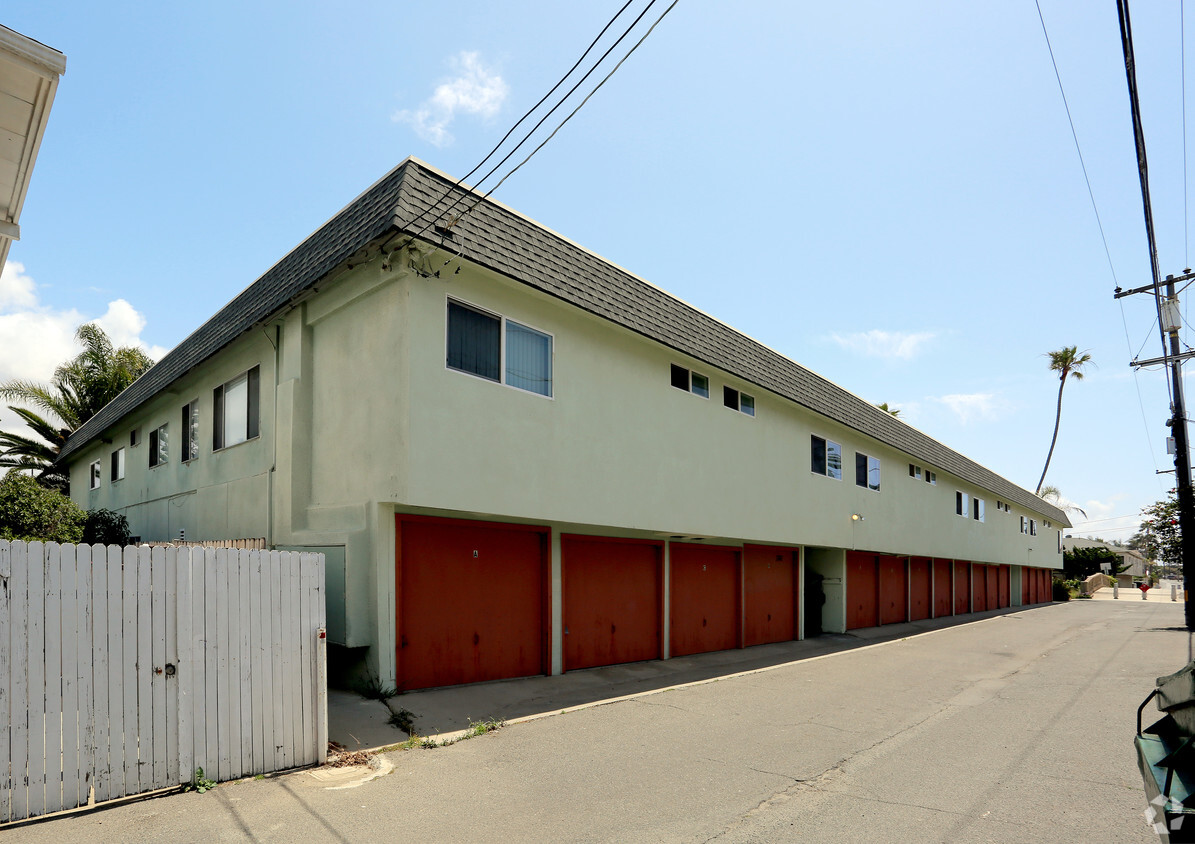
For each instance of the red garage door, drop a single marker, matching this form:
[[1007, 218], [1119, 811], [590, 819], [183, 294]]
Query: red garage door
[[770, 594], [613, 600], [1026, 578], [992, 574], [962, 587], [942, 592], [919, 589], [1004, 586], [979, 585], [705, 599], [861, 586], [471, 601], [894, 592]]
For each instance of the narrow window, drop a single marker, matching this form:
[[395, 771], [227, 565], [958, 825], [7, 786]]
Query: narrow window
[[190, 429], [914, 471], [962, 504], [977, 509], [747, 404], [701, 385], [860, 469], [867, 471], [817, 456], [94, 475], [474, 342], [134, 437], [931, 477], [1033, 527], [1024, 525], [159, 450], [528, 359], [117, 465], [235, 413]]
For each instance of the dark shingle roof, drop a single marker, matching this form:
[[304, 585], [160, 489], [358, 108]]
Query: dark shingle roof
[[506, 242]]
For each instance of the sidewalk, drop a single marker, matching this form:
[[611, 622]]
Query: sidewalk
[[358, 723]]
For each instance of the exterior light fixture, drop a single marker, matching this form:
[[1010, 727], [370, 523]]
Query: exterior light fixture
[[855, 517]]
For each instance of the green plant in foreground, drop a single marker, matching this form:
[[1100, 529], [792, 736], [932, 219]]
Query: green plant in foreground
[[371, 688], [199, 783], [403, 719]]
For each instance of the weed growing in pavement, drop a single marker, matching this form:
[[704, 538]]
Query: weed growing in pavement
[[199, 783], [371, 688]]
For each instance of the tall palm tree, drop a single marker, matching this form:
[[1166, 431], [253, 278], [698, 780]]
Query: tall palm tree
[[1054, 495], [893, 411], [76, 392], [1067, 361]]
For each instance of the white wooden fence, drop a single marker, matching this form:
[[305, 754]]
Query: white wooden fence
[[123, 670]]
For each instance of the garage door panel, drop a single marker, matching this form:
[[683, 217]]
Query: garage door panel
[[894, 595], [943, 598], [920, 596], [705, 599], [612, 601], [861, 585], [471, 603], [962, 587], [992, 586], [979, 587], [769, 579]]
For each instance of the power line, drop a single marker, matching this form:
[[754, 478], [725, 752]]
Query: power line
[[551, 111], [527, 113]]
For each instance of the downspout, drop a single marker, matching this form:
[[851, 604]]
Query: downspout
[[276, 343]]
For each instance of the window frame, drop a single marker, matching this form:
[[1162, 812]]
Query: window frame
[[190, 427], [977, 509], [931, 477], [738, 397], [674, 368], [503, 321], [867, 466], [826, 443], [117, 466], [252, 377], [962, 504], [159, 446], [95, 472]]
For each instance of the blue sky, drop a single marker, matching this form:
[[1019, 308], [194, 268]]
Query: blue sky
[[887, 193]]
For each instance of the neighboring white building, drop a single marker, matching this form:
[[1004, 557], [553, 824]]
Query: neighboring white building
[[1138, 565], [523, 459], [29, 74]]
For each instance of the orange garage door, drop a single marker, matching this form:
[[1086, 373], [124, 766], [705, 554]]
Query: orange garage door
[[706, 596], [770, 596], [962, 587], [993, 586], [1005, 575], [894, 593], [979, 587], [942, 595], [471, 601], [1026, 577], [919, 589], [613, 602], [862, 576]]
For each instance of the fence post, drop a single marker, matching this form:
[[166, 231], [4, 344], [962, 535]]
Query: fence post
[[321, 695]]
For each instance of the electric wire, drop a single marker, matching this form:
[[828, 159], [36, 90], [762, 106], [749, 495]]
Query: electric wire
[[1099, 223], [526, 114], [550, 112]]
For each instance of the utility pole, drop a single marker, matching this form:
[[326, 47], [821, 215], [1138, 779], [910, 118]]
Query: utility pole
[[1170, 322]]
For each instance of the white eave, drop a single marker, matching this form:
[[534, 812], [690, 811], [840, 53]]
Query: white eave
[[29, 73]]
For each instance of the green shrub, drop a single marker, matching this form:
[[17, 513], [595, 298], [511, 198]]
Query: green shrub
[[1061, 590], [31, 512], [105, 527]]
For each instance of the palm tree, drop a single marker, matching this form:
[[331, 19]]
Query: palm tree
[[1054, 495], [893, 411], [1066, 361], [79, 388]]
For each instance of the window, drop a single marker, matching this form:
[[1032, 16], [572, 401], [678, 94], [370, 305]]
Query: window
[[235, 410], [134, 437], [977, 509], [94, 475], [117, 465], [914, 471], [1033, 527], [690, 382], [190, 429], [159, 451], [931, 477], [826, 458], [528, 359], [735, 400], [867, 471], [1024, 525], [962, 504], [475, 346]]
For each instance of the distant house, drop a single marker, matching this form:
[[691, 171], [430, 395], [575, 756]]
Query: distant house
[[523, 459], [1138, 565], [29, 74]]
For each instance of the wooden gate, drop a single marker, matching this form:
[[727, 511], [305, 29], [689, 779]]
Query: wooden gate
[[124, 670]]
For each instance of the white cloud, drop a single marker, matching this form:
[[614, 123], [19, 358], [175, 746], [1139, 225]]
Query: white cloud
[[476, 89], [969, 407], [36, 338], [884, 344]]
